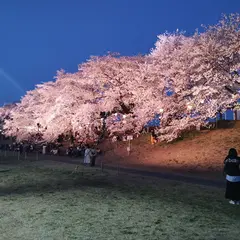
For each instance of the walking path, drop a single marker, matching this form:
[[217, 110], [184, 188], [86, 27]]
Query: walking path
[[146, 173], [134, 170]]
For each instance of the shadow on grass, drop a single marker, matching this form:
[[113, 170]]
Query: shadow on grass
[[192, 174], [41, 182], [53, 181]]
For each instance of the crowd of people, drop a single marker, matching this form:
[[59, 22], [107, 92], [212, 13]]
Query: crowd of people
[[87, 151], [17, 147]]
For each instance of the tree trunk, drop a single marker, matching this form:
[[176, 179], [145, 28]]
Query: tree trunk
[[220, 116], [235, 115]]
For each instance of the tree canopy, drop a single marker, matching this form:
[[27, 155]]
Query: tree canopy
[[184, 79]]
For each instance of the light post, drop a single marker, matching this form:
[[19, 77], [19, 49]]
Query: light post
[[161, 113]]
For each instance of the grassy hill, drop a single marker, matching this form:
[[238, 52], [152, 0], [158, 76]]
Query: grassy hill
[[198, 153]]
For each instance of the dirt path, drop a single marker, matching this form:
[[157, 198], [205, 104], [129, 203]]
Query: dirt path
[[141, 170], [146, 173]]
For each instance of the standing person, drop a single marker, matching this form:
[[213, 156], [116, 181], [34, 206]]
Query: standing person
[[87, 155], [153, 137], [93, 156], [31, 148], [44, 149], [21, 148], [232, 171]]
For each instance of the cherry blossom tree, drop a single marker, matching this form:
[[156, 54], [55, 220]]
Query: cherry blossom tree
[[54, 108], [199, 70], [5, 113], [185, 79], [126, 91], [74, 102]]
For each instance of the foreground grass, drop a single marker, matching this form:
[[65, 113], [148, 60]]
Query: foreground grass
[[51, 203]]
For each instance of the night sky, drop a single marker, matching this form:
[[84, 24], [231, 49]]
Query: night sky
[[39, 37]]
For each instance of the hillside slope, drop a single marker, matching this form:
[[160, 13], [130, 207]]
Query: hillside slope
[[202, 153]]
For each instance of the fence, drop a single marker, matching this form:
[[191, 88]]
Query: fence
[[31, 156]]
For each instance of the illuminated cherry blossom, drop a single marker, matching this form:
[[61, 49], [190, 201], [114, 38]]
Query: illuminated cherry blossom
[[185, 80]]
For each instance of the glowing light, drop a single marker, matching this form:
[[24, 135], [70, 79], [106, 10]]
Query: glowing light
[[202, 101], [115, 114], [161, 110], [189, 107], [102, 119], [124, 116]]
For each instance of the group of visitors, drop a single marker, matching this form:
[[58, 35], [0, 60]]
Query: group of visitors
[[75, 151], [90, 155], [88, 152], [18, 147], [232, 172]]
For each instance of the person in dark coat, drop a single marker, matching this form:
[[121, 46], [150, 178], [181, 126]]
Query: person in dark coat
[[94, 153], [232, 171]]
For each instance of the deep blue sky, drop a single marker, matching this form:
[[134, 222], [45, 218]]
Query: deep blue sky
[[39, 37]]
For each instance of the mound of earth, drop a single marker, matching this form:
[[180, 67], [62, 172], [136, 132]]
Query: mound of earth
[[202, 152]]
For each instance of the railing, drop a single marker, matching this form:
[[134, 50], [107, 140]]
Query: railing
[[32, 156]]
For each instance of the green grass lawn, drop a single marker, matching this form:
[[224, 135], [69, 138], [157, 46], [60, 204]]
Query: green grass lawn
[[49, 202]]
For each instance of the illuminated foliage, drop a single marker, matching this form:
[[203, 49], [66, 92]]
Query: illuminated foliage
[[184, 79]]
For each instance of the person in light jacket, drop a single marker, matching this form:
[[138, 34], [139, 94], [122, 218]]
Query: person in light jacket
[[87, 155]]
